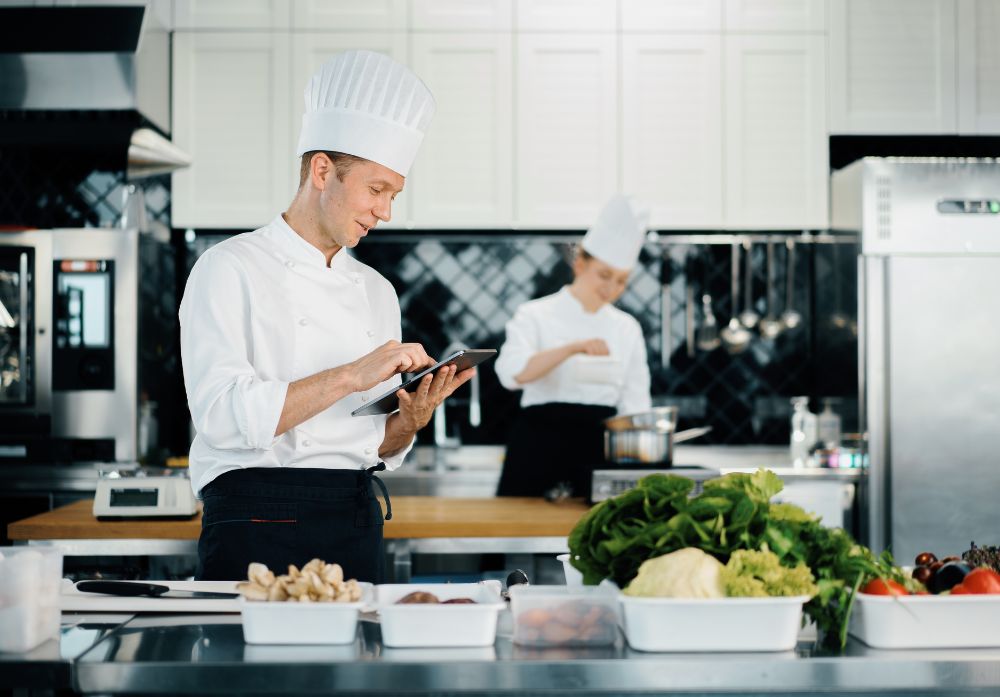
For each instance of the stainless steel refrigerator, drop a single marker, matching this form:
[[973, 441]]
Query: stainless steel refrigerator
[[929, 344]]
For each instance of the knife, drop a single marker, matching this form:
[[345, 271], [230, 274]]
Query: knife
[[152, 590]]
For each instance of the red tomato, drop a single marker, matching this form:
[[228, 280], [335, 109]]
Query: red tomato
[[981, 580], [959, 589], [884, 586]]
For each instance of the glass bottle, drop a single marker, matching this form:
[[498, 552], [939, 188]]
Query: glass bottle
[[829, 425], [804, 432]]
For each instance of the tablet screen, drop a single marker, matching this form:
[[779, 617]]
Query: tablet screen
[[389, 402]]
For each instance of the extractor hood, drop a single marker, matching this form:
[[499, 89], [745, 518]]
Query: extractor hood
[[92, 78]]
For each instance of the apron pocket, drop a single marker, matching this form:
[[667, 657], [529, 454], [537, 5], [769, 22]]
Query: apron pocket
[[233, 535]]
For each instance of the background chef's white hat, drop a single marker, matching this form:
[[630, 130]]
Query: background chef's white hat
[[617, 236], [366, 104]]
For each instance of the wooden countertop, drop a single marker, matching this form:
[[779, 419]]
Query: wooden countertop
[[412, 517]]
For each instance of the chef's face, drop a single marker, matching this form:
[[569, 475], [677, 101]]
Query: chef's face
[[598, 281], [353, 203]]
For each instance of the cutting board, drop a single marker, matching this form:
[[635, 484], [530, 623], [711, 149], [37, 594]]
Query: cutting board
[[72, 600]]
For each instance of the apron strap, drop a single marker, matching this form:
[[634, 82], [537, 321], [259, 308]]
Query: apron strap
[[370, 476]]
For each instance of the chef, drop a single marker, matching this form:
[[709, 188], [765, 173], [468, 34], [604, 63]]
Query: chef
[[577, 360], [284, 334]]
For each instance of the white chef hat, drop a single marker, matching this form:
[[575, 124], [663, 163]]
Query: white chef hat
[[617, 236], [365, 104]]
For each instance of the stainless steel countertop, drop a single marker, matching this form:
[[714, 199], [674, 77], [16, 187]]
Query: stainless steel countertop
[[206, 655]]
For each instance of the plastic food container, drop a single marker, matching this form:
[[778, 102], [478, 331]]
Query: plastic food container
[[436, 624], [564, 615], [926, 621], [301, 623], [573, 576], [30, 579], [710, 624]]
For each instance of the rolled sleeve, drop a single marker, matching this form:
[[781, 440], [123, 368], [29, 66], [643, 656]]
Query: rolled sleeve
[[232, 407], [393, 462], [521, 344]]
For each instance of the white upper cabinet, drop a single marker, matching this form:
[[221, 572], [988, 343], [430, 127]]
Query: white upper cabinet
[[671, 15], [776, 146], [462, 176], [566, 162], [231, 14], [231, 114], [309, 51], [566, 15], [672, 127], [978, 67], [462, 15], [774, 16], [893, 66], [344, 15]]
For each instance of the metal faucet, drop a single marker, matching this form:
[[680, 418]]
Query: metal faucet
[[441, 437]]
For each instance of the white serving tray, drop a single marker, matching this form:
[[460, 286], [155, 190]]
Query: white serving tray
[[712, 624], [926, 621], [289, 622], [435, 625]]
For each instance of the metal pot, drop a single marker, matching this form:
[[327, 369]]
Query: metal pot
[[646, 438]]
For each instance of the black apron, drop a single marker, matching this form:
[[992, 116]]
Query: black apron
[[280, 516], [552, 445]]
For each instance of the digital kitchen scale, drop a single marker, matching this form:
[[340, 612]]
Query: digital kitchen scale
[[127, 495]]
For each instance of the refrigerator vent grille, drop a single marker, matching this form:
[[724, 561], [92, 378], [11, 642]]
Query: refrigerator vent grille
[[883, 206]]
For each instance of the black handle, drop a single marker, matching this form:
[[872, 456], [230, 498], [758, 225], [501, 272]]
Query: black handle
[[129, 588]]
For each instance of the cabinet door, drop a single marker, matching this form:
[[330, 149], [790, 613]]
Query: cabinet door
[[462, 15], [671, 15], [231, 114], [566, 129], [309, 51], [774, 15], [978, 67], [777, 163], [672, 127], [892, 66], [566, 15], [462, 176], [231, 14], [343, 15]]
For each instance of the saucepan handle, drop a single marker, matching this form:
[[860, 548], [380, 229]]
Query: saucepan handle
[[690, 433]]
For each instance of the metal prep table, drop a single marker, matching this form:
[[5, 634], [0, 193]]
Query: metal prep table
[[206, 655]]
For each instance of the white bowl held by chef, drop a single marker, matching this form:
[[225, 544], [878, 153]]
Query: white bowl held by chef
[[577, 360], [284, 334]]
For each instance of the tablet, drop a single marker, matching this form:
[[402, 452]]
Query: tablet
[[389, 402]]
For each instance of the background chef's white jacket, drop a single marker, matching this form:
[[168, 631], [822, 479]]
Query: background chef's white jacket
[[260, 311], [621, 381]]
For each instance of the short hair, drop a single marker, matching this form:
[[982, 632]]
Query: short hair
[[342, 163]]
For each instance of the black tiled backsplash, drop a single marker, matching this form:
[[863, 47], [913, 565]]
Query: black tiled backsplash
[[462, 289]]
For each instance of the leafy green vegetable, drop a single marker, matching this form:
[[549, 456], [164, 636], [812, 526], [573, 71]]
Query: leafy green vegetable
[[732, 513], [759, 574]]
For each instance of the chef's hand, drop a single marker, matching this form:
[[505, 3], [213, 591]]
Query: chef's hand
[[387, 360], [416, 409], [593, 347]]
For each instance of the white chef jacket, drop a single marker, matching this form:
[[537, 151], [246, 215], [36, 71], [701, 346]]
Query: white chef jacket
[[620, 380], [260, 311]]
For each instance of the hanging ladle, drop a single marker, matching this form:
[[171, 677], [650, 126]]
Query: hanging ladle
[[790, 318], [735, 337]]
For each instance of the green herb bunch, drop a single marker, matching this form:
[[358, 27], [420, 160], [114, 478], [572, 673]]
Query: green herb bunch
[[732, 512]]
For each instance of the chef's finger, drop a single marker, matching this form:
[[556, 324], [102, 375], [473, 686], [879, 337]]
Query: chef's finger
[[424, 387], [442, 380], [459, 380]]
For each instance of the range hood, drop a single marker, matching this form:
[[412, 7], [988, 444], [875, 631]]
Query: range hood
[[91, 78]]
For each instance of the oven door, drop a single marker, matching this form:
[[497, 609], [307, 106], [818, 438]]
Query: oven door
[[16, 326], [25, 343]]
